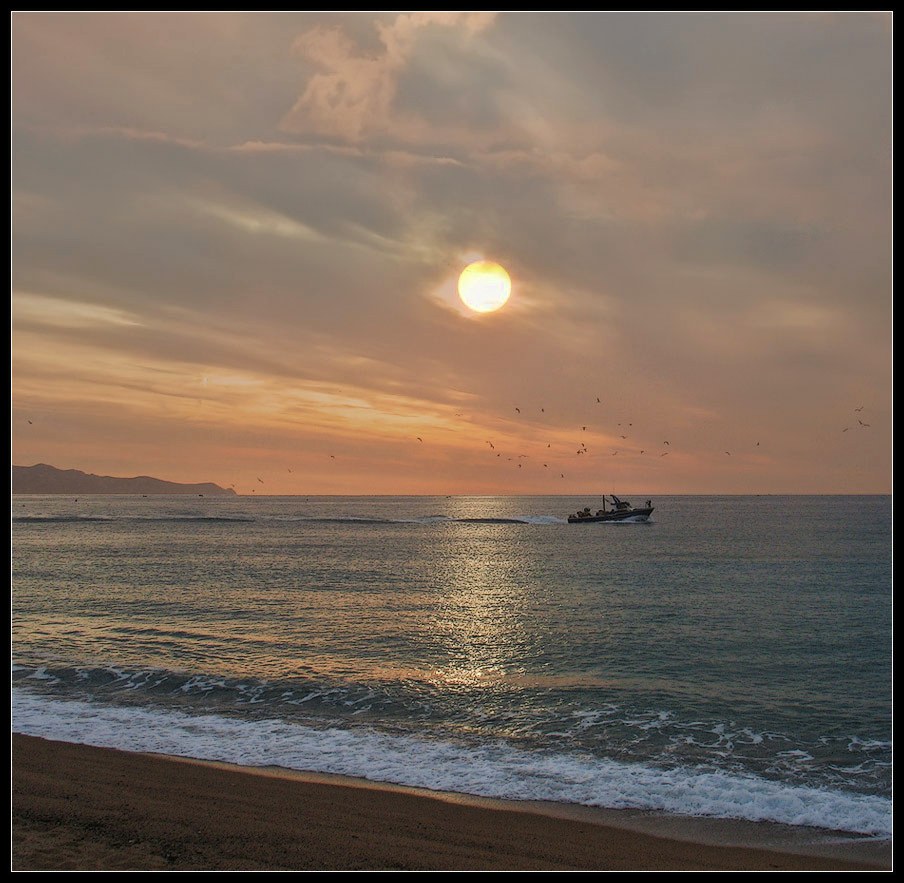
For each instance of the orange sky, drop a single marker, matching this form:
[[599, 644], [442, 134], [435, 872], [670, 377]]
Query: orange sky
[[236, 236]]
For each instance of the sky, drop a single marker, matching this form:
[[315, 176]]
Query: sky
[[236, 239]]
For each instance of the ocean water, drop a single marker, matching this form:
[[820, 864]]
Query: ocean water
[[731, 658]]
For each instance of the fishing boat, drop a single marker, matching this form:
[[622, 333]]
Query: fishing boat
[[621, 510]]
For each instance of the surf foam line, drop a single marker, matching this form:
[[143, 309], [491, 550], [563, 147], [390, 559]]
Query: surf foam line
[[493, 769]]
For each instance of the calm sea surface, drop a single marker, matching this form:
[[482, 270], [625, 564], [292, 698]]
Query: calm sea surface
[[730, 658]]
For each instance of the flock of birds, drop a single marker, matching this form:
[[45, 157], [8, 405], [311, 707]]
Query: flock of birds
[[582, 449]]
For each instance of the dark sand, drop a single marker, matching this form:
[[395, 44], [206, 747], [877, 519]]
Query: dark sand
[[76, 807]]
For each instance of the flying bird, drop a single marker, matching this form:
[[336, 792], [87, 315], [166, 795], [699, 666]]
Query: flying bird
[[666, 443], [859, 409], [598, 400], [862, 423], [260, 480], [728, 452], [846, 428], [491, 445], [30, 423], [664, 454], [419, 439], [641, 452], [518, 410]]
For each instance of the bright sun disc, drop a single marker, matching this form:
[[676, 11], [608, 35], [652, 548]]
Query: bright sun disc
[[484, 286]]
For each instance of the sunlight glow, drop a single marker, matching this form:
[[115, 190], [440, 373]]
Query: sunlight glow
[[484, 286]]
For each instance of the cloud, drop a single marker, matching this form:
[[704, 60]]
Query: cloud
[[353, 97]]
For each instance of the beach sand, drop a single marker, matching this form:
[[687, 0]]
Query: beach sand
[[77, 807]]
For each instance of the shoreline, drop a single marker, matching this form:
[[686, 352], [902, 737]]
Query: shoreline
[[79, 807]]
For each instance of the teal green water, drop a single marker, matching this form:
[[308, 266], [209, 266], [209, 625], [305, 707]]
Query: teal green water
[[743, 642]]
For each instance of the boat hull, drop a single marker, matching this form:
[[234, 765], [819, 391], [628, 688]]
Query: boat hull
[[639, 514]]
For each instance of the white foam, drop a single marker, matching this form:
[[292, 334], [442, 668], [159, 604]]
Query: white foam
[[490, 770]]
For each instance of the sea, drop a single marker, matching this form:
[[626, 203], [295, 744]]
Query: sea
[[729, 659]]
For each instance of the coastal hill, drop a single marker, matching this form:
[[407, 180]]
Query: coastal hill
[[44, 479]]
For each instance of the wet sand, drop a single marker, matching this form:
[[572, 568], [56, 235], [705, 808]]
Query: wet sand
[[77, 807]]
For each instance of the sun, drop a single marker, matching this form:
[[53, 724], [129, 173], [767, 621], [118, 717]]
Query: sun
[[484, 286]]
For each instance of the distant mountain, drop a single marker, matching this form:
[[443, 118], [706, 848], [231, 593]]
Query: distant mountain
[[44, 479]]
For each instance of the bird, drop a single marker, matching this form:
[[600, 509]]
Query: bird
[[862, 423], [584, 428], [624, 436], [542, 410], [757, 444], [290, 470], [666, 443], [562, 475], [518, 410], [641, 452], [419, 439], [545, 466], [846, 428], [30, 423], [859, 409], [598, 400], [728, 452], [664, 454], [260, 480], [492, 447], [332, 456], [614, 453]]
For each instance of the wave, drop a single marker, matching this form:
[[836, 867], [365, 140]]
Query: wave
[[537, 717], [492, 768]]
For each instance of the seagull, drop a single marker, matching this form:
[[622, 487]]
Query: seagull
[[757, 444], [290, 470], [666, 443], [862, 423], [664, 454], [641, 452], [30, 423], [859, 409], [491, 445], [624, 436], [614, 453], [584, 428], [846, 428], [332, 456], [419, 439], [598, 400], [260, 480], [542, 410], [518, 410], [728, 452], [545, 466]]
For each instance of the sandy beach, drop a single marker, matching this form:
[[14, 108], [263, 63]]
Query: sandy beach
[[77, 807]]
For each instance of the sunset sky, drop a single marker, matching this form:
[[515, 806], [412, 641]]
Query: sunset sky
[[236, 239]]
